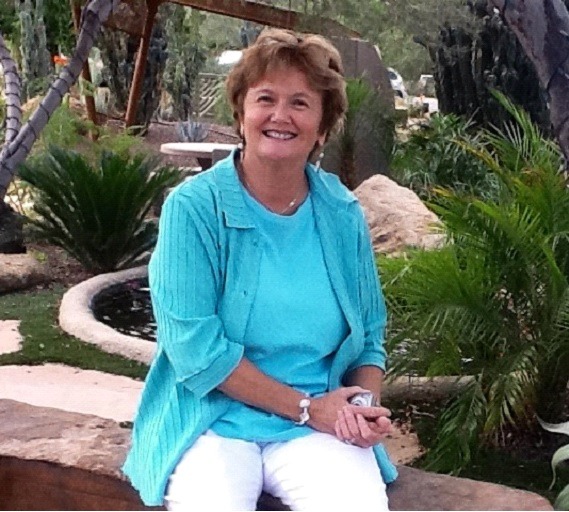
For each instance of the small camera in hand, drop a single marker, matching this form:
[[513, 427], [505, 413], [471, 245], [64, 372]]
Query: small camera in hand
[[366, 399]]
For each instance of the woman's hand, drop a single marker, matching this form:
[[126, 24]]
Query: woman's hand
[[362, 426], [324, 410]]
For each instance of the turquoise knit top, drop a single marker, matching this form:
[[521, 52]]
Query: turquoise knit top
[[296, 323]]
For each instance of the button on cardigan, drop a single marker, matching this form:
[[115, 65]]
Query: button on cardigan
[[203, 277]]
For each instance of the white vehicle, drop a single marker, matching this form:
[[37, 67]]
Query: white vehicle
[[229, 58], [397, 83]]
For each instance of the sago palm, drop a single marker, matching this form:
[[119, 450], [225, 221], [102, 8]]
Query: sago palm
[[494, 303], [97, 212]]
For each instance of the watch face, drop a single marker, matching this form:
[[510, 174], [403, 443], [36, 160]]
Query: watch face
[[305, 402]]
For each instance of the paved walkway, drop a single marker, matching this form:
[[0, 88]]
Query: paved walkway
[[64, 387], [109, 396]]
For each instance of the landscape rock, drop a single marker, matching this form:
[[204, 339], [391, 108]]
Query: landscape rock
[[20, 271], [57, 460], [397, 218]]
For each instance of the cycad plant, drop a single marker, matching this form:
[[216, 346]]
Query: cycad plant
[[494, 303], [97, 212]]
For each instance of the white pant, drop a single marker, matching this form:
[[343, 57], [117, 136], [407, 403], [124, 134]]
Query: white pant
[[315, 472]]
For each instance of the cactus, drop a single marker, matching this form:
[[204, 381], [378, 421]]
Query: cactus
[[185, 59], [191, 131], [118, 51], [471, 60], [36, 61]]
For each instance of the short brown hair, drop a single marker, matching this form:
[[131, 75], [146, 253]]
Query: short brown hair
[[311, 54]]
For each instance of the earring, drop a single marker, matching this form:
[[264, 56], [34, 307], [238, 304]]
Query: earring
[[241, 143], [319, 161]]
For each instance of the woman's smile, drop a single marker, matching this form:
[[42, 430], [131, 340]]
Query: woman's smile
[[281, 118]]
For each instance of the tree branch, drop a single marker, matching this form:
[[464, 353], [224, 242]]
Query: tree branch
[[94, 14], [12, 90]]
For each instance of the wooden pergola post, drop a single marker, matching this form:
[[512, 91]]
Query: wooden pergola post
[[140, 66], [86, 72]]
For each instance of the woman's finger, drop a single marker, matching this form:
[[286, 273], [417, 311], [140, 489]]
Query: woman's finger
[[342, 426], [351, 422], [371, 412]]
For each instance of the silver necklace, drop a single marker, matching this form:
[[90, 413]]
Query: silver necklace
[[290, 205]]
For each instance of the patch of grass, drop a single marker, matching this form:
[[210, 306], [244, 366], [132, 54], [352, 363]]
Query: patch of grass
[[45, 342]]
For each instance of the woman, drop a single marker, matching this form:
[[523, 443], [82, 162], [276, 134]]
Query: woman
[[269, 312]]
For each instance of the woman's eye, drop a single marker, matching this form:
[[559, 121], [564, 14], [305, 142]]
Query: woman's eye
[[300, 103], [264, 99]]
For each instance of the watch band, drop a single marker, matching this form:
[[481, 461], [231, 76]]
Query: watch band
[[304, 415]]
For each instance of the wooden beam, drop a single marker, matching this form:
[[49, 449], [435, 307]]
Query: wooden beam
[[271, 16], [140, 65], [86, 72]]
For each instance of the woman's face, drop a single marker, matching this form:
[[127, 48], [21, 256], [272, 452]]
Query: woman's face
[[281, 117]]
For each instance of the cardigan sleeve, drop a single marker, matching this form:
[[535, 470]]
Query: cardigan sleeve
[[185, 283], [372, 303]]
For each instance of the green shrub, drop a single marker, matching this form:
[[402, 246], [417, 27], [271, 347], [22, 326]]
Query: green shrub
[[96, 212], [434, 156], [66, 129], [494, 303]]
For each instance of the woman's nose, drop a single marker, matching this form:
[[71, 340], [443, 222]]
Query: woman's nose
[[280, 112]]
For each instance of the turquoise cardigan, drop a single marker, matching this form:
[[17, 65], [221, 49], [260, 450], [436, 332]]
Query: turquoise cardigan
[[203, 277]]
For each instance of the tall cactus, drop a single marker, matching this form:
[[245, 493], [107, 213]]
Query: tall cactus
[[185, 58], [36, 62], [471, 60], [118, 51]]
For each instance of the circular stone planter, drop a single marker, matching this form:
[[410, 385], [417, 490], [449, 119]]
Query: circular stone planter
[[76, 317]]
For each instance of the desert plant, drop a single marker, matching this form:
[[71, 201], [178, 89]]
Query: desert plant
[[97, 212], [186, 57], [191, 131], [561, 455], [434, 156], [494, 303], [36, 61]]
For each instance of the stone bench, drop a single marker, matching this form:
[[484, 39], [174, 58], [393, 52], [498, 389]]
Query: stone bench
[[56, 460]]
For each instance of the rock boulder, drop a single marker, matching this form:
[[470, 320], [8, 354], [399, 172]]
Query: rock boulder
[[397, 218], [19, 272]]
